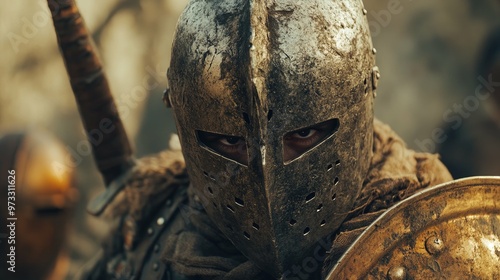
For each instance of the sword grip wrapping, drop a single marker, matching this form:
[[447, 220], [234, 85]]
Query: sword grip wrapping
[[111, 149]]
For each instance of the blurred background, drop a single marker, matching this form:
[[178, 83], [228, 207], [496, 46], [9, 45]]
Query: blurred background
[[440, 86]]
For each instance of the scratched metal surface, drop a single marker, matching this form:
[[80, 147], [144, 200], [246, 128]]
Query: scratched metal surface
[[451, 231]]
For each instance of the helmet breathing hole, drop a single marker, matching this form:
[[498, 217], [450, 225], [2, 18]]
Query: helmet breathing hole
[[230, 208], [310, 197], [215, 205], [269, 115], [247, 235], [239, 202], [322, 223], [336, 181], [205, 173], [210, 190], [337, 163], [256, 226], [293, 222], [334, 196], [320, 207], [246, 118], [329, 167], [306, 231]]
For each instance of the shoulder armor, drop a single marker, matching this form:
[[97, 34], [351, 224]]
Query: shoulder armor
[[147, 201], [150, 175], [450, 231]]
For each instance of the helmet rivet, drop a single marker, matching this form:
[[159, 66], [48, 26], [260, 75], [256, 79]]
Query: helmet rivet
[[160, 221], [375, 78], [365, 11], [155, 266], [166, 98], [396, 273], [150, 231], [434, 245], [374, 51]]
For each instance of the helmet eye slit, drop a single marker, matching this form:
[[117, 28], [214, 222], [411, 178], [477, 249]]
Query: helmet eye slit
[[299, 141], [228, 146]]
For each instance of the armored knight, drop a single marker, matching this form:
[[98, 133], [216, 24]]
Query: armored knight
[[282, 164], [41, 192]]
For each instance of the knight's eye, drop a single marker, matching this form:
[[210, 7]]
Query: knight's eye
[[297, 142], [304, 133], [231, 140], [229, 146]]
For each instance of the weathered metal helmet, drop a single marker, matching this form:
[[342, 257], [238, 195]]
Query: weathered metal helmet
[[41, 187], [273, 104], [450, 231]]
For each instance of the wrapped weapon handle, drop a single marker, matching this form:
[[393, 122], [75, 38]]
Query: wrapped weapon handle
[[105, 131]]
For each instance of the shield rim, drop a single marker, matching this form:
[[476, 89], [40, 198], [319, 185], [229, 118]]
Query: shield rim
[[373, 230]]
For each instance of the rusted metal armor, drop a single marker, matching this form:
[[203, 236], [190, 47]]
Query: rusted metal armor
[[267, 73]]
